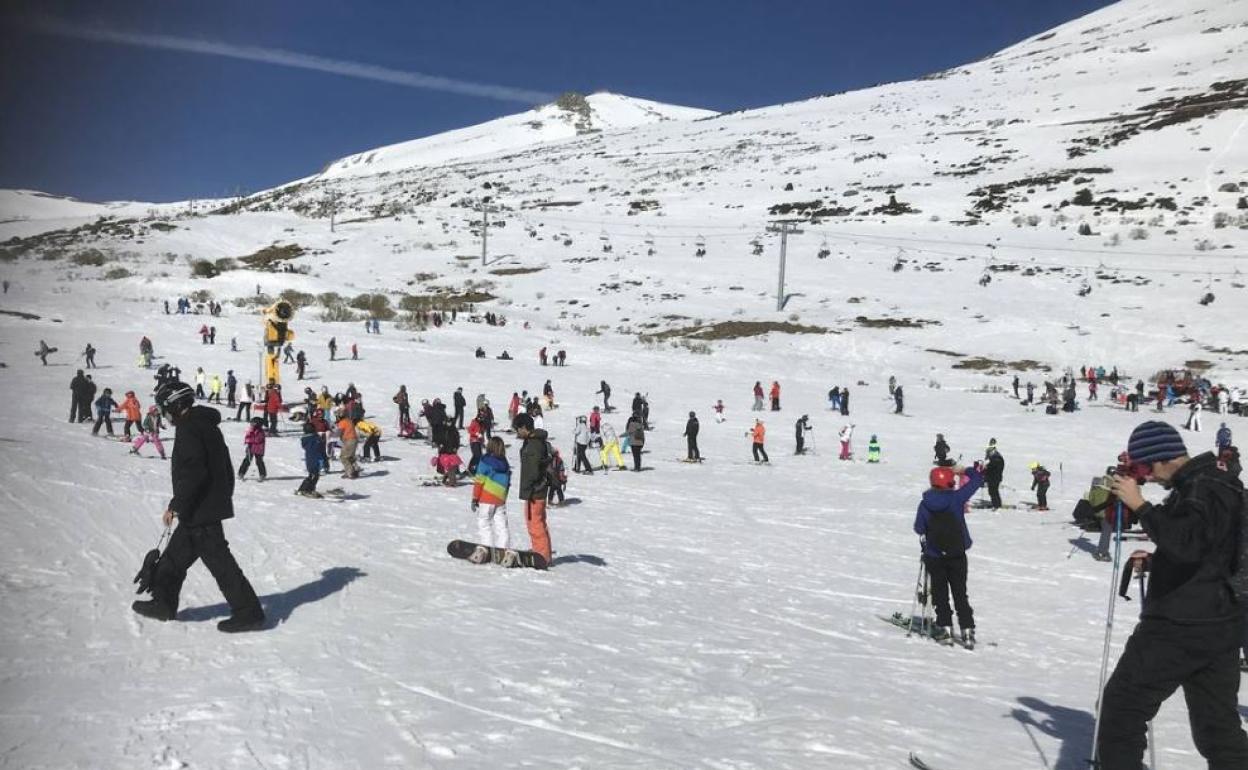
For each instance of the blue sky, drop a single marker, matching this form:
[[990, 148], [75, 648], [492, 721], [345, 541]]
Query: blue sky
[[100, 120]]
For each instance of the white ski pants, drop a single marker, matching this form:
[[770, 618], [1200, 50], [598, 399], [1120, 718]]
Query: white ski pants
[[492, 526]]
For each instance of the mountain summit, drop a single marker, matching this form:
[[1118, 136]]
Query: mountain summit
[[570, 115]]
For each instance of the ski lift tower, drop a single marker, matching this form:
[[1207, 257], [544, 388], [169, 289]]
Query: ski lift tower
[[785, 227]]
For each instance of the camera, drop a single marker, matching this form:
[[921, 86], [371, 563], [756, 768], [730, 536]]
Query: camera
[[1130, 469]]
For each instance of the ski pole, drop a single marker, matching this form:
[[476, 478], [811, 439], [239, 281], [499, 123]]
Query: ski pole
[[918, 586], [1109, 629]]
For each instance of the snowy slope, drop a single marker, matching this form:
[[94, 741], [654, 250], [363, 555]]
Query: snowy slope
[[715, 616], [550, 122]]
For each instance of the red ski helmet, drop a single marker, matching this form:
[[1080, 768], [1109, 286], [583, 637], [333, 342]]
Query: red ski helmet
[[941, 477]]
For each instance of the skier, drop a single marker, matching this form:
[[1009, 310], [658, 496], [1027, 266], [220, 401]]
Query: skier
[[301, 365], [272, 405], [580, 439], [1015, 384], [490, 486], [534, 478], [79, 404], [104, 406], [460, 402], [610, 446], [758, 396], [203, 488], [89, 354], [758, 435], [775, 396], [1193, 413], [200, 379], [899, 399], [873, 450], [799, 429], [253, 446], [214, 389], [691, 439], [993, 474], [1223, 438], [1040, 483], [636, 430], [844, 402], [940, 524], [942, 450], [333, 348], [151, 432], [231, 389], [719, 410], [244, 403], [1191, 625], [846, 436], [133, 413], [605, 390]]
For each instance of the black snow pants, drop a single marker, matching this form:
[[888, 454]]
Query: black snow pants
[[1042, 495], [309, 483], [759, 450], [948, 573], [994, 493], [105, 419], [692, 448], [1161, 657], [242, 468], [75, 408], [582, 462], [636, 456], [186, 546], [475, 446]]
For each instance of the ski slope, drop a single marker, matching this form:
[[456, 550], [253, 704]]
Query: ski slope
[[722, 616]]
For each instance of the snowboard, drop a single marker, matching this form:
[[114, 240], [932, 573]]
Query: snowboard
[[462, 549]]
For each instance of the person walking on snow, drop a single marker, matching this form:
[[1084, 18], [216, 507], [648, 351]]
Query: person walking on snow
[[1040, 483], [846, 437], [775, 396], [758, 437], [758, 396], [691, 439], [873, 450], [844, 402], [940, 523], [534, 479], [636, 430], [253, 444], [993, 474], [203, 490], [1193, 413], [799, 429], [490, 486], [151, 433], [580, 439]]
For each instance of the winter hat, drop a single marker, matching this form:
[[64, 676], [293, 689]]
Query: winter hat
[[522, 421], [1155, 442]]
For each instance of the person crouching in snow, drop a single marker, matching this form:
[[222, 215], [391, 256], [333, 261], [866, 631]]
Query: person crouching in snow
[[447, 464], [489, 502], [253, 441], [151, 432]]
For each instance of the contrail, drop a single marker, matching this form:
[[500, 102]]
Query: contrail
[[294, 59]]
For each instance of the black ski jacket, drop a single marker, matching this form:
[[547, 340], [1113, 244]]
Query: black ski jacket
[[203, 476], [1195, 531], [534, 480], [995, 469], [691, 427]]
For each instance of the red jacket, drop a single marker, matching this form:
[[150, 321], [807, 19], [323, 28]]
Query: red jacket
[[474, 431], [273, 401]]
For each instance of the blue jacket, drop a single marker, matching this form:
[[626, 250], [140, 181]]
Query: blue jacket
[[1223, 438], [947, 500], [312, 454], [104, 405]]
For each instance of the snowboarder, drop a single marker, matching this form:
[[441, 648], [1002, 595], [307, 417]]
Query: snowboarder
[[301, 365], [272, 405], [1015, 384], [940, 524], [1040, 483], [1223, 437], [758, 436], [558, 474], [1191, 625], [253, 447], [355, 352], [44, 351], [1193, 413], [89, 354], [151, 432], [313, 459], [994, 472], [244, 403], [490, 486], [691, 439], [80, 404], [844, 402], [873, 450], [846, 436], [404, 403], [534, 478], [476, 443], [203, 488], [541, 356], [231, 389], [350, 440], [1031, 393], [605, 390], [214, 389], [200, 379], [799, 429], [371, 432]]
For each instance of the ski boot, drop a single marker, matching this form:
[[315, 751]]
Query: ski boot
[[1102, 556], [942, 634], [968, 638]]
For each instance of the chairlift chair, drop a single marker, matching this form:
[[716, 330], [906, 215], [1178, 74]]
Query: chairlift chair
[[700, 250], [649, 245], [824, 251]]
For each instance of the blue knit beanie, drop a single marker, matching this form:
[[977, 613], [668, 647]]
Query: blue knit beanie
[[1155, 442]]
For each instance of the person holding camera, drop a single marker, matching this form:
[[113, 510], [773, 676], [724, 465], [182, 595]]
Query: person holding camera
[[1191, 625], [940, 524]]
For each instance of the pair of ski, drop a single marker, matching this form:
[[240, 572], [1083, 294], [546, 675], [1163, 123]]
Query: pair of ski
[[919, 625], [462, 549], [334, 493]]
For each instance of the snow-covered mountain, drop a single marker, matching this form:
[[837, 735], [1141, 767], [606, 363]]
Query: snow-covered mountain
[[570, 116]]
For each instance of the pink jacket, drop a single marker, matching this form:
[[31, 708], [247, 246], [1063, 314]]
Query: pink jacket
[[254, 440]]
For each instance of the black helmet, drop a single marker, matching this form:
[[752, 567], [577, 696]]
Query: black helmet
[[174, 397], [257, 421], [691, 414]]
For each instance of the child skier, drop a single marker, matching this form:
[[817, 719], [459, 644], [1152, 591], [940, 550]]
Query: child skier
[[253, 441], [758, 435], [719, 410], [151, 432], [558, 479], [846, 436], [104, 406], [489, 488], [133, 413], [873, 450], [447, 464], [940, 524], [1040, 483], [313, 459]]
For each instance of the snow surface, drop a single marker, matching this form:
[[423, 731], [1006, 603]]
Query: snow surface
[[720, 616]]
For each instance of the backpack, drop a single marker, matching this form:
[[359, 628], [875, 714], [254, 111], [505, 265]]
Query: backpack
[[944, 532], [1239, 559]]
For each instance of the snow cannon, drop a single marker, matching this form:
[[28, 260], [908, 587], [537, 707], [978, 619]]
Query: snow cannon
[[277, 332]]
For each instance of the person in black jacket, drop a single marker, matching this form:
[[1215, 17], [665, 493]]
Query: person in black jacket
[[460, 402], [203, 490], [691, 438], [994, 471], [79, 403], [799, 430], [1191, 624], [941, 449]]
